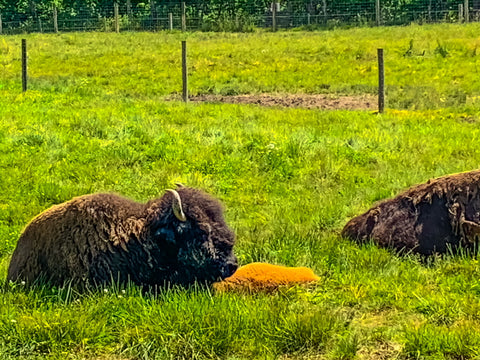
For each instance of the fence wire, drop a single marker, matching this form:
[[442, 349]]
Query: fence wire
[[231, 15]]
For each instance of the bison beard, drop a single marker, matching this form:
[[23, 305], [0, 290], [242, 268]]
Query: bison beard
[[428, 218], [180, 238]]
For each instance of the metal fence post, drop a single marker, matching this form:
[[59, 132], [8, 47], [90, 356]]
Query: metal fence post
[[24, 65], [184, 71], [381, 81]]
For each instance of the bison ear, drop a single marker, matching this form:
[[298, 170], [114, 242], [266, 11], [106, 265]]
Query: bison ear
[[177, 206]]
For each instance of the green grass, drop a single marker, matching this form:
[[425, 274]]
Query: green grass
[[426, 66], [290, 179]]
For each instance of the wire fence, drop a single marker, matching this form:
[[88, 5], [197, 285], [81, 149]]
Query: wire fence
[[232, 15]]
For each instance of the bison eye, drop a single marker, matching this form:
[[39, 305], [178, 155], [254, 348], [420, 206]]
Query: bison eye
[[182, 228], [165, 234]]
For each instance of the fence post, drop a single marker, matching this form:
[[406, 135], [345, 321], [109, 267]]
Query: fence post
[[1, 25], [460, 13], [24, 65], [184, 71], [274, 15], [129, 9], [378, 19], [289, 14], [153, 13], [129, 15], [170, 21], [55, 19], [184, 17], [381, 81], [116, 15], [324, 9], [466, 10]]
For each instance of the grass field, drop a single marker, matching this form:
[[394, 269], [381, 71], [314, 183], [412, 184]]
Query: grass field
[[95, 119]]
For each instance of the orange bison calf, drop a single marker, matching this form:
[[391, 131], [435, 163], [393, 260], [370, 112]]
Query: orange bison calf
[[96, 239], [428, 218], [262, 277]]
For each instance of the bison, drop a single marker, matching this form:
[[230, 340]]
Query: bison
[[429, 218], [179, 238]]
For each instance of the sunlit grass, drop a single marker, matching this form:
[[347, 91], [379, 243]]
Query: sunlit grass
[[426, 66]]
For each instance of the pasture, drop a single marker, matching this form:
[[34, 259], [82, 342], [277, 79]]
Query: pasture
[[102, 114]]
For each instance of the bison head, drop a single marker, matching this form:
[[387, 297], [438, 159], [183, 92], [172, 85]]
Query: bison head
[[195, 243]]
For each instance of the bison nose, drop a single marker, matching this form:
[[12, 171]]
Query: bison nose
[[229, 269]]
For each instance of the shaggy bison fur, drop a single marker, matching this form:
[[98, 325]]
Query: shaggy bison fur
[[180, 238], [428, 218]]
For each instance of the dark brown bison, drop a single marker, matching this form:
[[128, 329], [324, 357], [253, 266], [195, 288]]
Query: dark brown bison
[[180, 238], [428, 218]]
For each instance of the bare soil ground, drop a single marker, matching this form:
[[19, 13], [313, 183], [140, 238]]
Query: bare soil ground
[[327, 102]]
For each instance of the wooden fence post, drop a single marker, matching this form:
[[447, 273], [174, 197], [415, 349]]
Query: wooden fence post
[[116, 16], [274, 15], [324, 9], [153, 13], [381, 81], [170, 21], [24, 65], [129, 9], [184, 17], [55, 19], [378, 19], [1, 25], [184, 71], [467, 13], [460, 13]]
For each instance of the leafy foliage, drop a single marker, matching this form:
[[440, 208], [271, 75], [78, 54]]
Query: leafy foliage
[[222, 15]]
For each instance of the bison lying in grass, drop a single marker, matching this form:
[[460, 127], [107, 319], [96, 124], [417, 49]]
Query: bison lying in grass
[[96, 239], [428, 218]]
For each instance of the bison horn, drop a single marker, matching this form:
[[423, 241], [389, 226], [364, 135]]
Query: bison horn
[[177, 206], [179, 185]]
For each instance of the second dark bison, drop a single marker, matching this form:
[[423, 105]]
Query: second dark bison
[[180, 238], [441, 214]]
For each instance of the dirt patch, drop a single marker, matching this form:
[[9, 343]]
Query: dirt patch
[[327, 102]]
